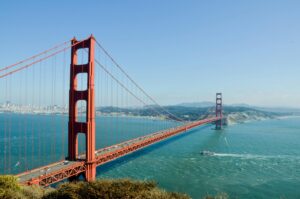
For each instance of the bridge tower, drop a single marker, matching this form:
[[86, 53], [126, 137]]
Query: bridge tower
[[219, 110], [88, 127]]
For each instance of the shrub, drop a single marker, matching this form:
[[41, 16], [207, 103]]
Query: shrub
[[9, 188], [115, 189], [9, 182], [218, 196], [106, 189]]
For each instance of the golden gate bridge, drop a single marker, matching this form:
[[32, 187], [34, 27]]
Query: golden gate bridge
[[46, 88]]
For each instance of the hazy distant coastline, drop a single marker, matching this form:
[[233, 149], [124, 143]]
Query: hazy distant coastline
[[185, 111]]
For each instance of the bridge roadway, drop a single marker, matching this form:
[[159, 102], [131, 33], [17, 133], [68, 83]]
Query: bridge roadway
[[64, 169]]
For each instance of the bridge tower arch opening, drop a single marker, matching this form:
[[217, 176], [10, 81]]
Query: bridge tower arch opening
[[76, 126], [219, 110]]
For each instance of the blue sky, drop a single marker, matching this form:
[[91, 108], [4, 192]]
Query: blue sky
[[178, 51]]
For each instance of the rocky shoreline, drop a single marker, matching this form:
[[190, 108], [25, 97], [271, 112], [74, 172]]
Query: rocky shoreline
[[247, 116]]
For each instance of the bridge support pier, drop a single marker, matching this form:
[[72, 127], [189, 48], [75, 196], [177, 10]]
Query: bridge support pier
[[88, 95], [219, 111]]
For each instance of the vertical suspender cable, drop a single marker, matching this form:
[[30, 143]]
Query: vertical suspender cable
[[20, 144], [55, 107], [5, 133], [39, 107], [25, 119], [63, 106], [9, 130], [32, 118]]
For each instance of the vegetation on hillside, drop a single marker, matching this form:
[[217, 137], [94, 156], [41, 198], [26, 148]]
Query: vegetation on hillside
[[106, 189], [10, 189]]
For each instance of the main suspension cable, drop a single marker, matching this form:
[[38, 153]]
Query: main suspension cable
[[140, 88], [123, 86], [37, 61], [34, 56]]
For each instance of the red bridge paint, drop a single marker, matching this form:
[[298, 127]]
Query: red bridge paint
[[219, 110], [87, 127], [86, 164], [61, 170]]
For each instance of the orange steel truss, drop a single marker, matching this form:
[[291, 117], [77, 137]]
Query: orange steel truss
[[60, 175], [132, 146], [74, 166]]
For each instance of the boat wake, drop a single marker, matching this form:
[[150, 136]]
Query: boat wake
[[253, 156], [239, 155]]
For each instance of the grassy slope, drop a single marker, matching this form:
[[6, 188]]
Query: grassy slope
[[106, 189], [120, 188]]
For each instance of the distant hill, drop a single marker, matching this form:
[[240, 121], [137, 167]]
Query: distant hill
[[203, 104], [234, 114], [279, 109], [197, 104], [241, 105], [209, 104]]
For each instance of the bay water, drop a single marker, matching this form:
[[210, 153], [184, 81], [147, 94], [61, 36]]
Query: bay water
[[258, 159]]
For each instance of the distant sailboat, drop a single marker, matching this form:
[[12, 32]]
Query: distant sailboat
[[17, 164]]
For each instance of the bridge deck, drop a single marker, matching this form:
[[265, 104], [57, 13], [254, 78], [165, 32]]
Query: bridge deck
[[61, 170]]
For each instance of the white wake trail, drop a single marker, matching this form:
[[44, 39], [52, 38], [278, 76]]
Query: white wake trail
[[253, 156]]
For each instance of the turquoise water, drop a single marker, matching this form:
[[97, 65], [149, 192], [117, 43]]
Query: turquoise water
[[252, 160], [29, 141]]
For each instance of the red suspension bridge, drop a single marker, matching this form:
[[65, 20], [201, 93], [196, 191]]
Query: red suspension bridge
[[35, 129]]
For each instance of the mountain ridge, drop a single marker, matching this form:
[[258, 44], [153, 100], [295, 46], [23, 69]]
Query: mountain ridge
[[262, 108]]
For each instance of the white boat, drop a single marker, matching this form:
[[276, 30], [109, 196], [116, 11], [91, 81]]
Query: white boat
[[207, 153]]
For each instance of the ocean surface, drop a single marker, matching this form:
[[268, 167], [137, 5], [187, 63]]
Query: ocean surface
[[251, 160]]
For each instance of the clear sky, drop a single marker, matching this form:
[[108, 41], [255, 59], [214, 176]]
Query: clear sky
[[178, 51]]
